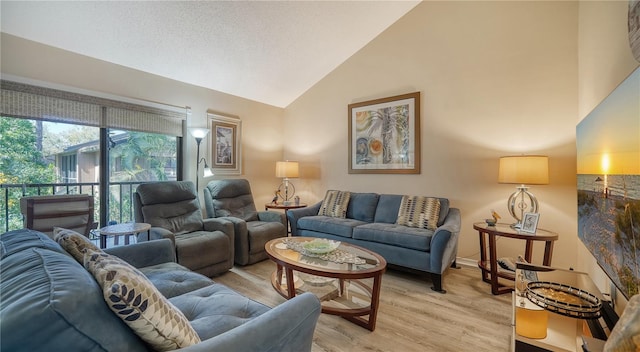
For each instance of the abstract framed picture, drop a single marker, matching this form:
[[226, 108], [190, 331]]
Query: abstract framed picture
[[608, 167], [226, 132], [384, 135]]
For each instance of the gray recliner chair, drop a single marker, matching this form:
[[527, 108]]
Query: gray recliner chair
[[172, 208], [231, 199]]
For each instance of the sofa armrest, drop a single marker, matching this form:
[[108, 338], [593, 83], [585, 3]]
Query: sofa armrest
[[219, 224], [294, 214], [272, 216], [444, 242], [156, 233], [146, 253], [287, 327]]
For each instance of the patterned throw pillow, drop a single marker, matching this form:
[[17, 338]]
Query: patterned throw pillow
[[335, 204], [420, 212], [139, 304], [74, 243]]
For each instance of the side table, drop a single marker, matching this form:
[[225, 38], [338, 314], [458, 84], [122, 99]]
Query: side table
[[285, 208], [129, 228], [489, 265]]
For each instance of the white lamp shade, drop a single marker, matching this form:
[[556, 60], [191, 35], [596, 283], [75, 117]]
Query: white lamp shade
[[199, 132], [524, 169], [288, 169], [208, 172]]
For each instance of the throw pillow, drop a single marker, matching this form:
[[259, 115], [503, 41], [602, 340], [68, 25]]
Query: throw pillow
[[74, 243], [135, 300], [335, 204], [420, 212]]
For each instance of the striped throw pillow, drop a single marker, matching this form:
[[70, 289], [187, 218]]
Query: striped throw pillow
[[420, 212], [335, 204]]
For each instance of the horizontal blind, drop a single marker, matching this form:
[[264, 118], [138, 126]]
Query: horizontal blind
[[32, 102]]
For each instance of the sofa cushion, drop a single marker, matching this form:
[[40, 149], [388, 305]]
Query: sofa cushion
[[49, 299], [74, 243], [395, 235], [362, 206], [139, 304], [173, 279], [335, 226], [215, 309], [335, 204], [420, 212]]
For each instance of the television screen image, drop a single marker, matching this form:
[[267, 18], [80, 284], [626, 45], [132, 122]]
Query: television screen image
[[608, 167]]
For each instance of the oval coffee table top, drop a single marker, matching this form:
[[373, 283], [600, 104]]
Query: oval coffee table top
[[313, 264]]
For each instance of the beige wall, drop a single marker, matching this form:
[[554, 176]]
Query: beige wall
[[261, 124], [605, 61], [496, 78]]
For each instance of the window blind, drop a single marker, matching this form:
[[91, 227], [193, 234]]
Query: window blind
[[33, 102]]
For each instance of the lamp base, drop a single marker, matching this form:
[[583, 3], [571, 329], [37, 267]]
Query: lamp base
[[521, 201], [286, 191]]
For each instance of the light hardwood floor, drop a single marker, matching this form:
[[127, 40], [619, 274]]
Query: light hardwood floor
[[411, 316]]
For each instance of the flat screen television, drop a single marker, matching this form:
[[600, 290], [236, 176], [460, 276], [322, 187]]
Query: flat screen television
[[608, 167]]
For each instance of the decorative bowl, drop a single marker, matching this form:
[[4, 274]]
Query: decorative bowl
[[490, 222], [321, 246]]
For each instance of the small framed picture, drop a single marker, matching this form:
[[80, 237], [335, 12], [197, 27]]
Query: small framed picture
[[530, 222]]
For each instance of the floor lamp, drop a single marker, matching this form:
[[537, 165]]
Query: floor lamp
[[523, 170], [199, 134]]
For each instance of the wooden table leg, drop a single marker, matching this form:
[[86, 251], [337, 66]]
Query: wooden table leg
[[548, 252], [528, 251], [493, 263], [291, 285], [375, 299], [483, 257]]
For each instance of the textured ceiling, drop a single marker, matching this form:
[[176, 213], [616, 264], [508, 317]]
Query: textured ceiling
[[267, 51]]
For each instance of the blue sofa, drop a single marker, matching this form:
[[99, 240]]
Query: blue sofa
[[51, 303], [371, 223]]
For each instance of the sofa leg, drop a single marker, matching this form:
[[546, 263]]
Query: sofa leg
[[437, 283], [455, 265]]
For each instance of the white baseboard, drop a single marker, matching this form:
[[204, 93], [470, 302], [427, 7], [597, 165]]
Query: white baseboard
[[467, 262]]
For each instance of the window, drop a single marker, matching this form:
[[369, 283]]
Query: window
[[59, 147]]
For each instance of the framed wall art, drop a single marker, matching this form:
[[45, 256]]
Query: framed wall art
[[226, 152], [384, 135]]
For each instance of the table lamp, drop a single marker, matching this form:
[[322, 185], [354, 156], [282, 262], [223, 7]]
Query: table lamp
[[286, 170], [523, 170]]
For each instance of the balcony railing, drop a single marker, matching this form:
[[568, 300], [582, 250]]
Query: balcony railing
[[120, 200]]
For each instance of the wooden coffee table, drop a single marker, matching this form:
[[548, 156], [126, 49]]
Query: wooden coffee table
[[351, 291]]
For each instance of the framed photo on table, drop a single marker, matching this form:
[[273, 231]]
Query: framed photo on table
[[226, 152], [530, 222], [384, 135]]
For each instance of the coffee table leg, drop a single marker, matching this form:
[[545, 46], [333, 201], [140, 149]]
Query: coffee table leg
[[291, 285]]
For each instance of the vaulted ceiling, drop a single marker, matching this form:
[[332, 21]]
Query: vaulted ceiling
[[267, 51]]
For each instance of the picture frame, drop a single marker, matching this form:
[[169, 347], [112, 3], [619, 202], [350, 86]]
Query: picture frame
[[225, 144], [375, 149], [530, 222]]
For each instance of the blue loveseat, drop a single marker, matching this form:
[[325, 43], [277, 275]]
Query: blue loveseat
[[370, 222], [49, 302]]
